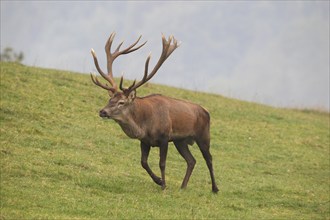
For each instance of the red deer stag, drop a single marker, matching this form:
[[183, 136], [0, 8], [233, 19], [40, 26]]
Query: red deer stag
[[155, 120]]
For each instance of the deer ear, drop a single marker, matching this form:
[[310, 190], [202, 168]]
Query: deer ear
[[131, 96]]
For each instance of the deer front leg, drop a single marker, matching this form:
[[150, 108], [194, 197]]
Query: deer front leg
[[162, 161], [145, 149]]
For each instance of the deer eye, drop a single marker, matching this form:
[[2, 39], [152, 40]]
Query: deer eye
[[121, 102]]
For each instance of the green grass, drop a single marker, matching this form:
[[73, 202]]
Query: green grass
[[59, 160]]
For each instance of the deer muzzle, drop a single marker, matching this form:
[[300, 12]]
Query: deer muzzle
[[103, 113]]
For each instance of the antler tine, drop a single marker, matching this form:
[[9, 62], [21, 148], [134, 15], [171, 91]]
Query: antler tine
[[131, 49], [112, 56], [117, 50], [125, 51], [109, 42], [110, 59], [121, 84], [146, 67], [104, 86], [168, 49], [105, 76], [172, 47]]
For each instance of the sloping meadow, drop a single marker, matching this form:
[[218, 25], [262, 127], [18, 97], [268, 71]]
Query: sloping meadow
[[59, 160]]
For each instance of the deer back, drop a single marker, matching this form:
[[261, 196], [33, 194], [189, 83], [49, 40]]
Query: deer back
[[158, 117]]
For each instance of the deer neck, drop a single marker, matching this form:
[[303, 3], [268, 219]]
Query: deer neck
[[129, 123]]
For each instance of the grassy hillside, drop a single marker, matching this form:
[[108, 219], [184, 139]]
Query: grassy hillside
[[59, 160]]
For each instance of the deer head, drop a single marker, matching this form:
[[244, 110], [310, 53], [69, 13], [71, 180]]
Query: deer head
[[120, 100]]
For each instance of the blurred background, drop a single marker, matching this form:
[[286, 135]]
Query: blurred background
[[270, 52]]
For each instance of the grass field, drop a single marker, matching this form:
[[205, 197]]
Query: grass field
[[59, 160]]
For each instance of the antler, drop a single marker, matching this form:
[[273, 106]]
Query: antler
[[110, 58], [168, 48]]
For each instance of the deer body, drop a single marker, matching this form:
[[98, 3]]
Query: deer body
[[156, 117], [156, 120]]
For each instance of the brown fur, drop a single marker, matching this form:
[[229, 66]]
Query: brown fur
[[156, 120]]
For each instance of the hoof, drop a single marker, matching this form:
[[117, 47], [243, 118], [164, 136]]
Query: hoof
[[183, 186], [215, 189], [158, 181], [163, 187]]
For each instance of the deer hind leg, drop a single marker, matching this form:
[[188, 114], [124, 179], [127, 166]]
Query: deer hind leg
[[204, 146], [184, 151], [162, 161], [145, 149]]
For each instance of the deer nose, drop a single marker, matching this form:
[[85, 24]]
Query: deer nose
[[103, 113]]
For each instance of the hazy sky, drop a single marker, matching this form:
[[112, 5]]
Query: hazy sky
[[272, 52]]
